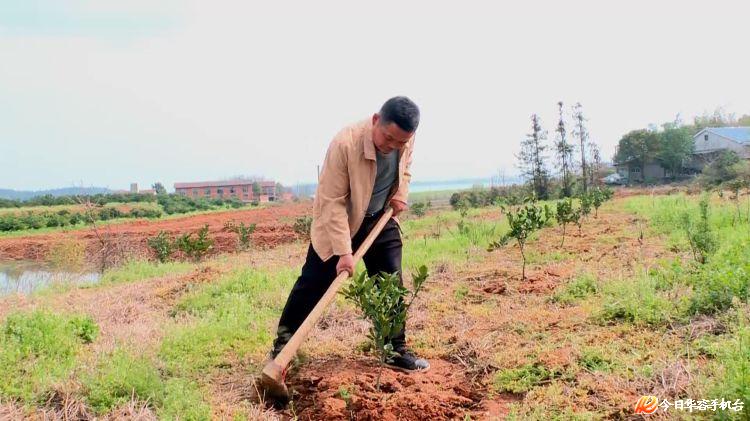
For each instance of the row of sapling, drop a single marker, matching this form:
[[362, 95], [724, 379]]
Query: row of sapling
[[523, 221], [243, 233], [385, 302], [195, 248]]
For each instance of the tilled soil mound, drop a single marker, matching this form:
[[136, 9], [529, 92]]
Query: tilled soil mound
[[345, 389]]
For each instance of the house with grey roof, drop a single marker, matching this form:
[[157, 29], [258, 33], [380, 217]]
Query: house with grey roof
[[715, 139], [708, 144]]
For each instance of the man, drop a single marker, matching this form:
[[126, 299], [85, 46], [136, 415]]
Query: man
[[365, 169]]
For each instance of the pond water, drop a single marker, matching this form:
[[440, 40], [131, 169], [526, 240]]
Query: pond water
[[27, 277]]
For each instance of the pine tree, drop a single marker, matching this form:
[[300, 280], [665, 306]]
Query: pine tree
[[532, 159], [582, 135], [564, 152]]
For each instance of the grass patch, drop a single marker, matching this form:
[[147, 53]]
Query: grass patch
[[733, 359], [639, 301], [230, 320], [120, 376], [522, 379], [592, 360], [38, 350], [581, 287], [138, 270]]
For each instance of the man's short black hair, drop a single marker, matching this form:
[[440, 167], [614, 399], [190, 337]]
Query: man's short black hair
[[402, 111]]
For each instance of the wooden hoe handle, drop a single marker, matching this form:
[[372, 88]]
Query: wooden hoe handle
[[287, 353]]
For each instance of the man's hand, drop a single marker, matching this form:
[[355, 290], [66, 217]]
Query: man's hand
[[398, 206], [346, 263]]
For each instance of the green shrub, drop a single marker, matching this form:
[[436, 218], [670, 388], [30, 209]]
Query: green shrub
[[587, 201], [303, 225], [382, 299], [420, 208], [565, 214], [243, 233], [196, 248], [85, 328], [162, 246], [144, 213]]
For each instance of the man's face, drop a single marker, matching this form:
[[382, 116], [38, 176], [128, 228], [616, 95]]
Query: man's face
[[388, 138]]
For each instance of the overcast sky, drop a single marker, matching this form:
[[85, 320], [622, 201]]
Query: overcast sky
[[106, 93]]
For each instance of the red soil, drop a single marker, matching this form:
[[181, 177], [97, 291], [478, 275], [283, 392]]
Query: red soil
[[274, 226]]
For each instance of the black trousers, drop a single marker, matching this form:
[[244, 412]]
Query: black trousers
[[383, 256]]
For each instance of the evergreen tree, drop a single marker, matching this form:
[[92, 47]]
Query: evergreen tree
[[532, 159], [564, 151], [582, 135]]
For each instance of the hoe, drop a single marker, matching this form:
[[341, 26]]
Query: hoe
[[274, 373]]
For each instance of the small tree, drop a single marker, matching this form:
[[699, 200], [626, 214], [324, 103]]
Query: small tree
[[532, 159], [597, 198], [243, 233], [702, 240], [566, 214], [196, 248], [382, 299], [420, 208], [564, 154], [586, 202], [159, 188], [162, 246], [582, 135], [523, 222]]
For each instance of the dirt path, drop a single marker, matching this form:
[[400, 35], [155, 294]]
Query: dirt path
[[274, 226]]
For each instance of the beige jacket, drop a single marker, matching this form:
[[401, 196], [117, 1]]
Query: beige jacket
[[345, 187]]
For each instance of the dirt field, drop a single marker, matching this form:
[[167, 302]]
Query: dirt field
[[474, 320], [274, 226]]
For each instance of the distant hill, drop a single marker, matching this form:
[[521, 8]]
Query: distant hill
[[66, 191]]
